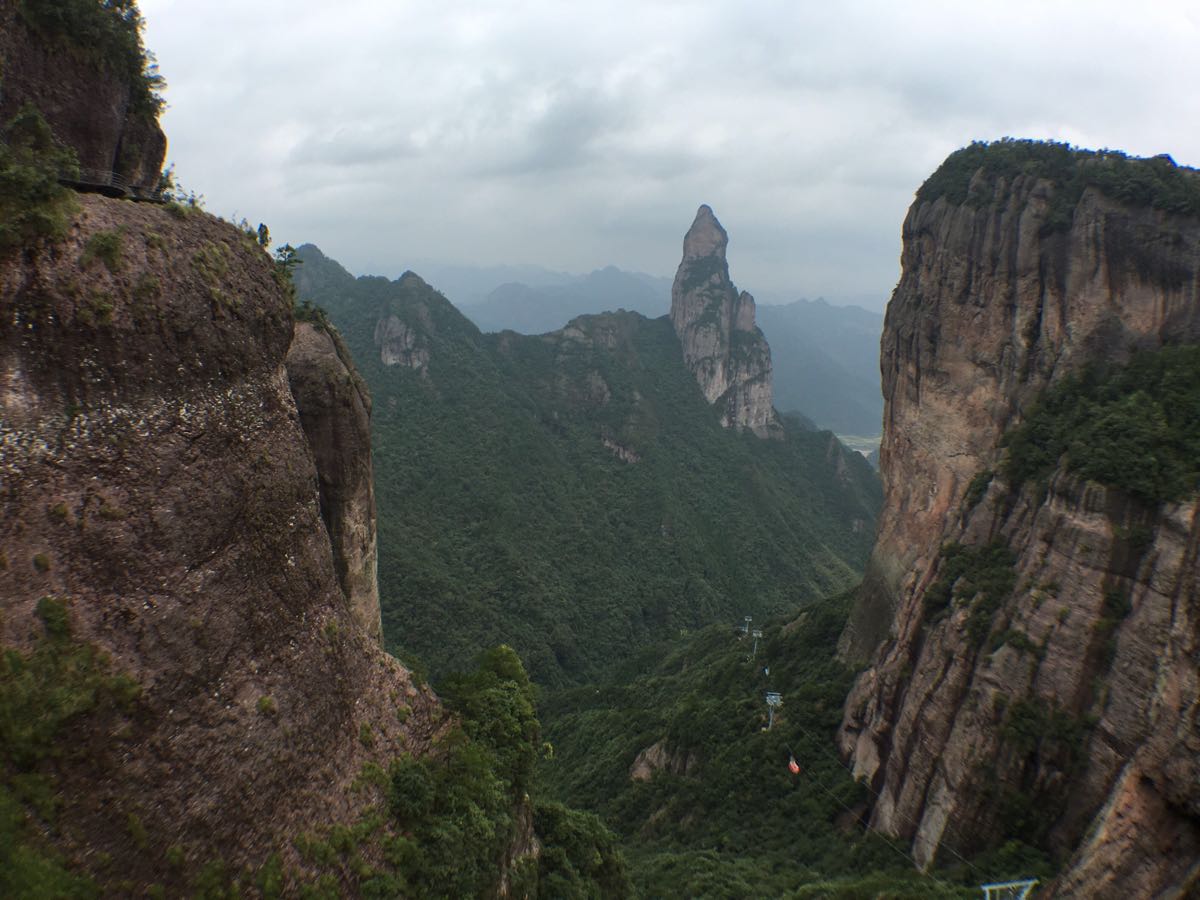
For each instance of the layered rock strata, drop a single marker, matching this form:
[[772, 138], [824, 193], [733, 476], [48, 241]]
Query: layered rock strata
[[1066, 718], [722, 346]]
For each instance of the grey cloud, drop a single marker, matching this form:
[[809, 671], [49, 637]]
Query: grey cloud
[[574, 136], [567, 134], [357, 144]]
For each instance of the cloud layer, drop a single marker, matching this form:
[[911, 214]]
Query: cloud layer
[[576, 135]]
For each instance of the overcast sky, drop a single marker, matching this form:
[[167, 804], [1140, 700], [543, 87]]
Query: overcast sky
[[575, 135]]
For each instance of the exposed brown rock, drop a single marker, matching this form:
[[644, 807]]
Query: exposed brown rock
[[621, 452], [335, 412], [722, 346], [152, 456], [401, 345], [87, 105], [657, 758], [524, 845], [990, 309]]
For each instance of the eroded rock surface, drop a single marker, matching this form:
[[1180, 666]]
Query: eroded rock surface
[[155, 476], [722, 346], [1082, 716], [658, 758], [335, 412]]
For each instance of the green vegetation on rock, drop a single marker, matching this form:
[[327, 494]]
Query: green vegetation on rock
[[44, 695], [33, 204], [1047, 739], [104, 246], [977, 489], [450, 821], [1135, 427], [1157, 182], [983, 577]]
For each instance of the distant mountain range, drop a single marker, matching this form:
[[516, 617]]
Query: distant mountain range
[[537, 309], [826, 361], [825, 357]]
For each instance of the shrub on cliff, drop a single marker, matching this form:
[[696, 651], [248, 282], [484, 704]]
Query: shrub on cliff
[[580, 857], [1136, 428], [497, 708], [455, 814], [51, 698], [33, 205], [1156, 182]]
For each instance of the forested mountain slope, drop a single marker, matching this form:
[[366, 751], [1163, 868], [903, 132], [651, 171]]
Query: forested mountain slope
[[674, 752], [572, 493]]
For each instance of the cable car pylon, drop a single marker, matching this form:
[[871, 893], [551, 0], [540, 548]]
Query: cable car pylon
[[1008, 890]]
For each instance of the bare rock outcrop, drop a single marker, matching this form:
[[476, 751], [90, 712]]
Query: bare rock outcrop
[[335, 412], [399, 345], [658, 758], [1068, 713], [89, 103], [402, 342], [722, 346], [156, 478]]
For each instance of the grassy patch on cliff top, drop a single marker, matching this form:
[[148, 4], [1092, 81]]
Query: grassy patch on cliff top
[[1134, 427], [1156, 182]]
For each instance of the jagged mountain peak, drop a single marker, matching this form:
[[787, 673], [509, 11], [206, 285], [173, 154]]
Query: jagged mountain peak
[[722, 346], [411, 279], [706, 237]]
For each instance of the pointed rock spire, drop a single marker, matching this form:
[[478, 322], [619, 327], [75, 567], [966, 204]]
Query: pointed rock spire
[[706, 237], [715, 323]]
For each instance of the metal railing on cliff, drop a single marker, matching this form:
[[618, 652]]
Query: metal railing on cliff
[[110, 184]]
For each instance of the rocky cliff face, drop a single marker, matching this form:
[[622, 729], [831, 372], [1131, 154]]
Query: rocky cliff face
[[401, 343], [335, 412], [89, 104], [156, 478], [658, 758], [721, 344], [1066, 715]]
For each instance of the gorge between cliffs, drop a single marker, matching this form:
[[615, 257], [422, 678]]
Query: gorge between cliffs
[[309, 587]]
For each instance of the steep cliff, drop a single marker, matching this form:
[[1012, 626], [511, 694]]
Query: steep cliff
[[722, 346], [84, 68], [335, 412], [158, 484], [1032, 645]]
